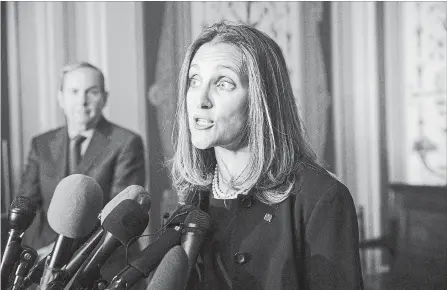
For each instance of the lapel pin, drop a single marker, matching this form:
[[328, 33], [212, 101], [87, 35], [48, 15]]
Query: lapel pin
[[268, 217]]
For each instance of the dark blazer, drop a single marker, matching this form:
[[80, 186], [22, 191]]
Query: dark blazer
[[308, 241], [114, 158]]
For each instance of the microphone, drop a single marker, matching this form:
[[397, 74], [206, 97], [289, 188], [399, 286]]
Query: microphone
[[35, 274], [197, 223], [27, 259], [126, 221], [178, 216], [151, 256], [76, 202], [148, 259], [172, 272], [21, 214], [133, 192], [82, 254]]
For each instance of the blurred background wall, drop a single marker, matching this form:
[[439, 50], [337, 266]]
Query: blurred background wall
[[369, 80]]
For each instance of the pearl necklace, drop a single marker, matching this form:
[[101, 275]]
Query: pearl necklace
[[217, 192]]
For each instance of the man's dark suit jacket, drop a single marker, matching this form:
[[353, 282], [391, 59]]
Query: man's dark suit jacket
[[114, 158]]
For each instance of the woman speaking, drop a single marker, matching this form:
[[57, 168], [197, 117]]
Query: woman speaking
[[279, 220]]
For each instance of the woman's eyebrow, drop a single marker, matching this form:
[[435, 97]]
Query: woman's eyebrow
[[236, 69]]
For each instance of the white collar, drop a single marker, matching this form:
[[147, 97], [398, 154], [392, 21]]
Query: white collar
[[87, 134]]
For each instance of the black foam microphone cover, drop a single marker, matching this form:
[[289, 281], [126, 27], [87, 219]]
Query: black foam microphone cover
[[133, 192], [126, 221], [150, 257], [21, 215], [172, 272]]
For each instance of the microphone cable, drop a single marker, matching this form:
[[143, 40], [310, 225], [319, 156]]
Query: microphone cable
[[160, 230]]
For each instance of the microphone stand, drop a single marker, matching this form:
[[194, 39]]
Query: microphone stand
[[100, 284], [27, 259]]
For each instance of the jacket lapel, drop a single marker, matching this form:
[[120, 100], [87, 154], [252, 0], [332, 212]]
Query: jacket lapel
[[58, 149], [97, 146]]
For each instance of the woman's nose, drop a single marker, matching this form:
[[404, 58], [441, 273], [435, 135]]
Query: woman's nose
[[204, 101]]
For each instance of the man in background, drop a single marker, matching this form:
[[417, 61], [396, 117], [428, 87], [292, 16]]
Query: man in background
[[88, 144]]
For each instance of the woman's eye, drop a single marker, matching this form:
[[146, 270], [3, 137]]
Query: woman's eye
[[193, 82], [226, 85]]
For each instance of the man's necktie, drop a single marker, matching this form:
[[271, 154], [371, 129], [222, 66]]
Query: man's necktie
[[74, 153]]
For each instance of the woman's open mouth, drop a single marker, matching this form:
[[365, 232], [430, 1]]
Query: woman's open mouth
[[202, 124]]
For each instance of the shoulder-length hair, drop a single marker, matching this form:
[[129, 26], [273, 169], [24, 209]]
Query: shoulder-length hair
[[275, 134]]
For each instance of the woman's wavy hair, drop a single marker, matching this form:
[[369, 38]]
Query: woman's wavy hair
[[275, 134]]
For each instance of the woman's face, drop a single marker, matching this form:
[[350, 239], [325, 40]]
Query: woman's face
[[217, 97]]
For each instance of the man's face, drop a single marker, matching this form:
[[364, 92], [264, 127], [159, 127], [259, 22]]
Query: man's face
[[82, 98]]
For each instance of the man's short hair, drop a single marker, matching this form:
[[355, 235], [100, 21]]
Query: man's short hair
[[74, 66]]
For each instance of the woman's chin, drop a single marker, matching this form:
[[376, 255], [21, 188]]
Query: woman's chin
[[201, 144]]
